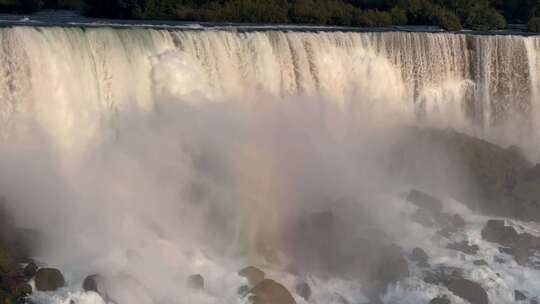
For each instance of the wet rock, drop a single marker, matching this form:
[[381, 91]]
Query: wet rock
[[49, 279], [468, 290], [252, 274], [519, 296], [303, 290], [195, 281], [496, 231], [534, 301], [97, 284], [425, 201], [271, 292], [30, 270], [420, 257], [480, 263], [440, 300], [393, 266], [464, 247], [442, 275], [243, 290], [20, 290]]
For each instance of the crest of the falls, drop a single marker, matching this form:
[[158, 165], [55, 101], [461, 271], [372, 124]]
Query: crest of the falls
[[74, 81]]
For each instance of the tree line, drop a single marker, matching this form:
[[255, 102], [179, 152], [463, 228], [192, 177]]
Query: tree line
[[453, 15]]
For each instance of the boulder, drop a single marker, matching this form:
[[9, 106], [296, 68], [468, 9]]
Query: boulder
[[303, 290], [420, 256], [271, 292], [30, 270], [195, 281], [464, 247], [49, 279], [496, 231], [480, 263], [95, 283], [468, 290], [252, 274], [519, 296], [425, 201], [440, 300]]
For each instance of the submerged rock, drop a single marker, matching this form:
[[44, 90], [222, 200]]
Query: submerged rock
[[49, 279], [252, 274], [468, 290], [270, 292]]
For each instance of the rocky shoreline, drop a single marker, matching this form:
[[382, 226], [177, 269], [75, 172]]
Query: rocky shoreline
[[509, 189]]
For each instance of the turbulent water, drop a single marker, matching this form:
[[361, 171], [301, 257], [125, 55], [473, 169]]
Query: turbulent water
[[162, 153]]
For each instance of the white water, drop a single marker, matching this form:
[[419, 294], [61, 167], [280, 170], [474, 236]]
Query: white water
[[159, 154]]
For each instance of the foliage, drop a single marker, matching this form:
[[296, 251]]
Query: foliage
[[534, 24], [448, 14]]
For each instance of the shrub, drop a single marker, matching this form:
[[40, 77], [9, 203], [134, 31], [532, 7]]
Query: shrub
[[398, 15], [447, 20], [534, 24], [485, 19]]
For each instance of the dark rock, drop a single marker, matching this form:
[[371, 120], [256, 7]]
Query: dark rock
[[519, 296], [425, 201], [506, 250], [30, 270], [420, 256], [532, 173], [534, 301], [442, 275], [440, 300], [480, 263], [49, 279], [496, 231], [252, 274], [95, 283], [468, 290], [195, 281], [243, 290], [303, 290], [20, 290], [393, 266], [271, 292], [464, 247]]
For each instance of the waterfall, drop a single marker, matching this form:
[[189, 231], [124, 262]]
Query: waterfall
[[77, 79]]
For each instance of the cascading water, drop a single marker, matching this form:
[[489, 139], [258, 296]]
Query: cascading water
[[161, 153], [482, 84]]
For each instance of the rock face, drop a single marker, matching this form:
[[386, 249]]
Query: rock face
[[490, 179], [270, 292], [468, 290], [97, 284], [49, 279], [252, 274]]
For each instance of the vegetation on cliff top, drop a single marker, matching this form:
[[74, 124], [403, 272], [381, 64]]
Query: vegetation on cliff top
[[448, 14]]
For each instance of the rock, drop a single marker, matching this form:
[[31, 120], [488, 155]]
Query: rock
[[393, 266], [420, 256], [243, 290], [534, 301], [30, 270], [496, 231], [442, 275], [20, 290], [425, 201], [468, 290], [97, 284], [195, 281], [519, 296], [271, 292], [480, 263], [49, 279], [464, 247], [252, 274], [303, 290], [440, 300]]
